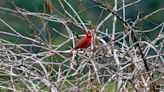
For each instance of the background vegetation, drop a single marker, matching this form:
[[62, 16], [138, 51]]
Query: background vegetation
[[126, 53]]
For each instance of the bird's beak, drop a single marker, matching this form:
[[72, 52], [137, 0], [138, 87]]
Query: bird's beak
[[89, 35]]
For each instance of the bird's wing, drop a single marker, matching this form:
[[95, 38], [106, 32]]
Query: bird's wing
[[81, 43]]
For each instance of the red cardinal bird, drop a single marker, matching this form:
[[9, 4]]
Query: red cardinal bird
[[83, 42]]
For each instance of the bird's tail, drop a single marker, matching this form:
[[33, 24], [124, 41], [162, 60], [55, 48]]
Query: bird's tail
[[72, 50]]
